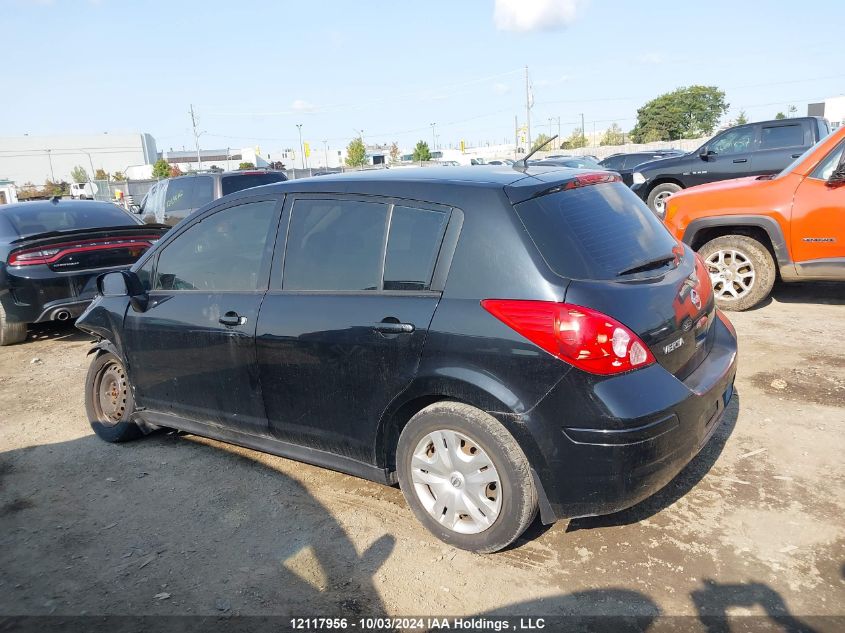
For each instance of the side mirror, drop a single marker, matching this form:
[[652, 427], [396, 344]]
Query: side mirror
[[124, 283], [704, 153], [837, 178]]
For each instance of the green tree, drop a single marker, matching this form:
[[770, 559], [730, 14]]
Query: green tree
[[780, 115], [683, 113], [246, 165], [55, 188], [356, 152], [118, 176], [742, 118], [395, 154], [101, 174], [421, 152], [79, 174], [161, 169], [613, 136], [576, 139], [541, 140]]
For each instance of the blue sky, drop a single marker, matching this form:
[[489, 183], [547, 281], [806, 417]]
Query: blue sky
[[253, 70]]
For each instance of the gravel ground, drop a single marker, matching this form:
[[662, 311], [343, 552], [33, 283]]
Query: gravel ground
[[176, 524]]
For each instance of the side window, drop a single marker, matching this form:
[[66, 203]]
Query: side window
[[155, 203], [614, 162], [180, 193], [412, 247], [335, 245], [773, 137], [825, 168], [738, 141], [203, 191], [145, 274], [224, 251]]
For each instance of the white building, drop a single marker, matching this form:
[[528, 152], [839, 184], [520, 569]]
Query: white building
[[833, 109], [35, 159], [8, 192]]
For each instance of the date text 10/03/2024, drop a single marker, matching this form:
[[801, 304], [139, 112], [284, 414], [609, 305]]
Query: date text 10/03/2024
[[419, 624]]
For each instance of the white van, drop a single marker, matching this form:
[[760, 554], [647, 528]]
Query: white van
[[83, 190]]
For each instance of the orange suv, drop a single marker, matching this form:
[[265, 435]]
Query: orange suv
[[749, 230]]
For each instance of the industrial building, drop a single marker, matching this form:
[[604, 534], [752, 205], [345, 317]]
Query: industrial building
[[36, 159]]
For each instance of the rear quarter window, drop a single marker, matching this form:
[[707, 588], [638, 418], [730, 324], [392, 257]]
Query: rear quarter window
[[594, 232], [782, 136]]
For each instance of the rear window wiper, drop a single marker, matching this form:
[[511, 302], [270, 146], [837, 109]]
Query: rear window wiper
[[650, 264]]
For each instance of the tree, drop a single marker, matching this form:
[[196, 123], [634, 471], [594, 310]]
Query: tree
[[421, 152], [683, 113], [395, 154], [780, 115], [101, 174], [276, 164], [246, 165], [175, 171], [356, 152], [541, 140], [55, 188], [576, 139], [741, 119], [161, 169], [613, 136], [118, 176], [79, 174]]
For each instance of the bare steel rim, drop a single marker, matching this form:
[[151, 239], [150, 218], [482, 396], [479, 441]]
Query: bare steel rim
[[731, 273], [456, 482], [660, 203], [110, 392]]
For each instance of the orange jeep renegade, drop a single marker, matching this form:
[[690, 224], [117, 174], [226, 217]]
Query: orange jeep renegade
[[749, 230]]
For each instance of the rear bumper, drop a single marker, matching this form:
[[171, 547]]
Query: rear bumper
[[628, 436]]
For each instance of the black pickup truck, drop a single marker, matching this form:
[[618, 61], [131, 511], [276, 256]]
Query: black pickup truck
[[753, 149]]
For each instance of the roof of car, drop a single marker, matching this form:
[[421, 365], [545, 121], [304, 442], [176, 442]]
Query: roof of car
[[44, 205]]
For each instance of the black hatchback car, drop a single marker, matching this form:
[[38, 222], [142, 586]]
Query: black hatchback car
[[498, 341]]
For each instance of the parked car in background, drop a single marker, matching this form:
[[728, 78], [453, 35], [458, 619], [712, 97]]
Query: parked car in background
[[83, 190], [173, 199], [750, 230], [624, 164], [745, 150], [359, 322], [51, 252]]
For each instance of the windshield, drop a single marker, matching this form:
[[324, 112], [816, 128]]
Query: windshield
[[32, 217], [595, 232]]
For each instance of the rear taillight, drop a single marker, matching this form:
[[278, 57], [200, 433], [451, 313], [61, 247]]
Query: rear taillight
[[55, 252], [585, 338]]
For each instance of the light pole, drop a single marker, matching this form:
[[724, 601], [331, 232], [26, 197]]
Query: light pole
[[326, 152], [91, 177], [50, 160], [301, 146], [433, 137]]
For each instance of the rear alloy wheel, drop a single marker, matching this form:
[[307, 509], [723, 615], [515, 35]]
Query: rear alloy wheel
[[108, 400], [10, 333], [658, 197], [741, 270], [465, 477]]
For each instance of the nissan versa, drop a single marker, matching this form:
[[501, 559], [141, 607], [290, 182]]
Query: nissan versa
[[498, 341]]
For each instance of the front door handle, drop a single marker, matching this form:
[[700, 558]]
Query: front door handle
[[231, 319], [740, 160], [387, 327]]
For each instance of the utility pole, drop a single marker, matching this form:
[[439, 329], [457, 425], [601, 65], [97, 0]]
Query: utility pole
[[326, 151], [583, 133], [196, 137], [515, 137], [50, 160], [433, 137], [301, 146], [528, 109]]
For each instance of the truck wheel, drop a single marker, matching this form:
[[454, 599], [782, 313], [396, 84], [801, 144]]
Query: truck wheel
[[465, 477], [10, 333], [657, 197], [741, 269], [108, 400]]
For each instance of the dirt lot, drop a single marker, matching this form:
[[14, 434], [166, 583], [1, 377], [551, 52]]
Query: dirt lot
[[175, 524]]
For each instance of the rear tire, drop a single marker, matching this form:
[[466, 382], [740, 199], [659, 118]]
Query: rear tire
[[10, 333], [657, 197], [108, 400], [485, 497], [741, 269]]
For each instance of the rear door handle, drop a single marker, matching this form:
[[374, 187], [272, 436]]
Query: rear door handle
[[393, 328], [231, 319], [740, 160], [796, 155]]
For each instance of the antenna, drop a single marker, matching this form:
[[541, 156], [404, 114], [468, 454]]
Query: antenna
[[522, 165]]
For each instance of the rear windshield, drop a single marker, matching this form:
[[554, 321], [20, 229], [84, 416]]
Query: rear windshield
[[237, 182], [30, 218], [594, 232]]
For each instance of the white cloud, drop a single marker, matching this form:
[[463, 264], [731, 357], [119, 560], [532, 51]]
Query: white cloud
[[535, 15], [501, 89], [301, 105], [651, 58]]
